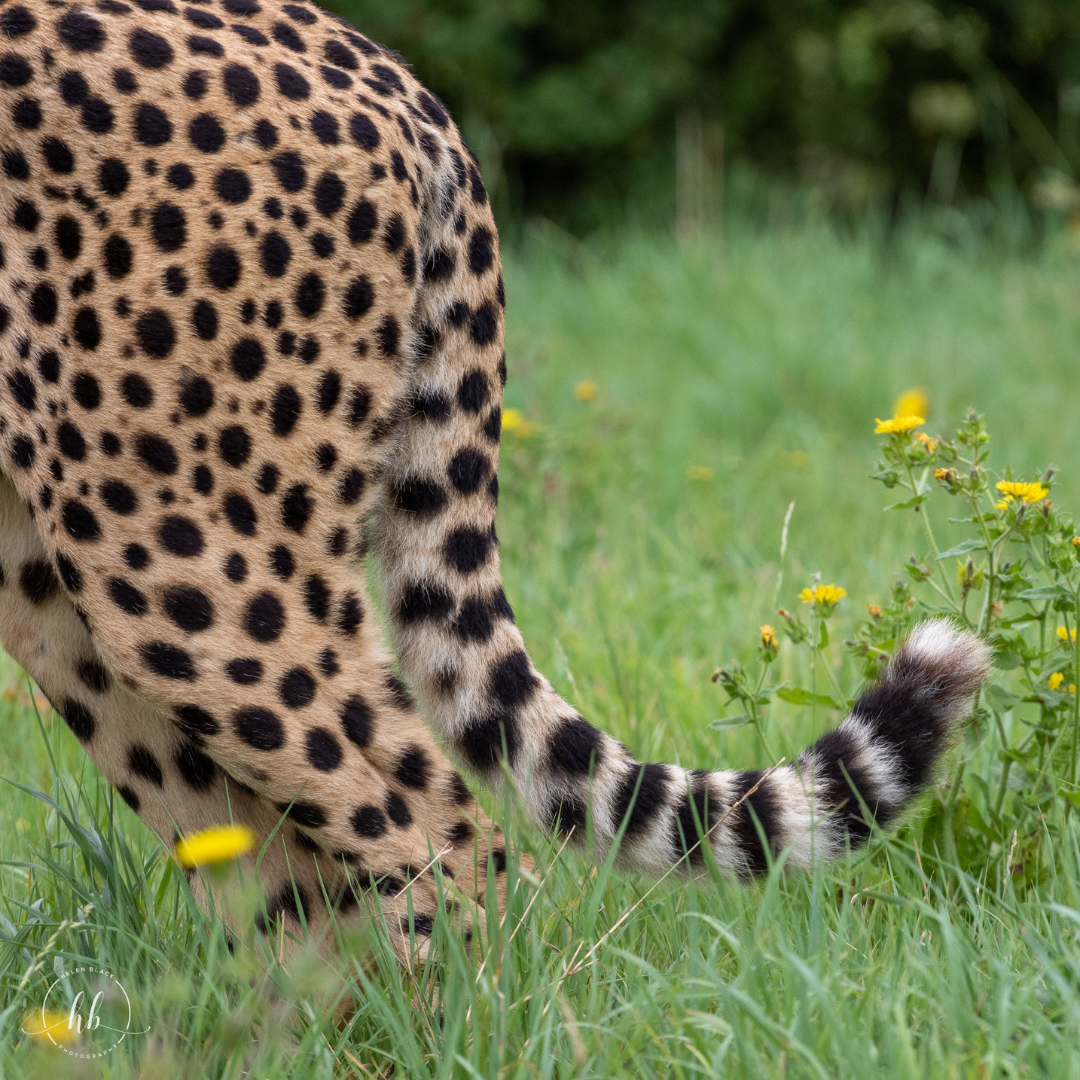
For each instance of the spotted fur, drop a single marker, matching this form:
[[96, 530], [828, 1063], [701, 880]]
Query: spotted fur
[[251, 332]]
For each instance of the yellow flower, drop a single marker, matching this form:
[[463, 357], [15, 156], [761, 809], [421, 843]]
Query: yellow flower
[[911, 402], [945, 476], [699, 472], [768, 638], [1015, 489], [1076, 541], [49, 1027], [929, 443], [513, 420], [823, 594], [585, 391], [1055, 680], [898, 425], [874, 610], [218, 844], [1066, 635]]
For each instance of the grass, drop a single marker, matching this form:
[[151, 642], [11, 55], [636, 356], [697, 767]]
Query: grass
[[764, 360]]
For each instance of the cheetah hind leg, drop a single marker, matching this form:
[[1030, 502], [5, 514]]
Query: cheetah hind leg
[[165, 776]]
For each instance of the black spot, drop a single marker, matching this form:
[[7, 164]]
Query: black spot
[[117, 252], [206, 133], [142, 762], [202, 19], [466, 549], [359, 297], [38, 581], [310, 295], [512, 680], [368, 822], [484, 323], [236, 568], [576, 747], [259, 728], [222, 267], [240, 513], [424, 600], [388, 334], [128, 796], [350, 614], [22, 389], [176, 281], [357, 721], [180, 536], [329, 194], [43, 304], [364, 131], [234, 445], [86, 389], [351, 487], [205, 320], [419, 496], [168, 661], [168, 226], [316, 596], [434, 110], [196, 722], [197, 396], [324, 127], [49, 365], [247, 359], [16, 21], [296, 508], [58, 156], [469, 468], [267, 480], [127, 598], [309, 815], [264, 617], [274, 254], [79, 718], [394, 236], [244, 671], [69, 573], [119, 497], [26, 215], [26, 112], [397, 811], [481, 250], [15, 165], [291, 83], [136, 391], [642, 793], [328, 663], [80, 33], [440, 266], [241, 84], [155, 333], [180, 177], [152, 125], [472, 392], [250, 34], [86, 329], [157, 454], [362, 222], [413, 768], [297, 688], [266, 135], [196, 769], [149, 50], [322, 749], [322, 245], [232, 186], [199, 44], [482, 741], [80, 522], [136, 556]]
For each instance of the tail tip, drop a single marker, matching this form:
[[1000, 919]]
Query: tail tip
[[955, 659]]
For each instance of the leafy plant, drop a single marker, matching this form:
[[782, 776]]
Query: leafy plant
[[1016, 580]]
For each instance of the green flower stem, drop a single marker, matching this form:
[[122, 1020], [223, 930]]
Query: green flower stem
[[921, 511], [1076, 699]]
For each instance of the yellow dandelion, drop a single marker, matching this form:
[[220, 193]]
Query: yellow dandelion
[[1015, 489], [926, 440], [1076, 541], [898, 425], [514, 421], [768, 638], [49, 1027], [699, 472], [945, 476], [1055, 680], [913, 402], [585, 391], [218, 844], [1066, 635], [823, 594], [874, 610]]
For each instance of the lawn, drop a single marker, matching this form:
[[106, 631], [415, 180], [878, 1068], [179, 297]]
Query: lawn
[[640, 536]]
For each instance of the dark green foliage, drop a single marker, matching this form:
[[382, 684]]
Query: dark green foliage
[[573, 105]]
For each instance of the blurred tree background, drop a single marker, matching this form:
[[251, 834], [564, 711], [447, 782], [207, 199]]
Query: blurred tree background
[[578, 108]]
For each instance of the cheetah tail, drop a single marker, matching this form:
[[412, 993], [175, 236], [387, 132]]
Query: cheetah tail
[[462, 653]]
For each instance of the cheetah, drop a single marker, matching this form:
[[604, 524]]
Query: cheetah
[[251, 339]]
